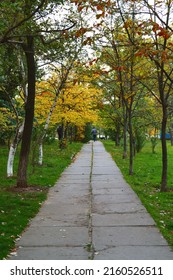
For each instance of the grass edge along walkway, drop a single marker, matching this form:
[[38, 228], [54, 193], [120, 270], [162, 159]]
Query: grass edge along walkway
[[146, 182], [17, 208]]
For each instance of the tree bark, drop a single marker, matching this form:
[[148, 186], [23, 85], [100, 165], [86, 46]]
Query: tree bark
[[125, 138], [131, 145], [29, 114], [164, 151], [125, 127]]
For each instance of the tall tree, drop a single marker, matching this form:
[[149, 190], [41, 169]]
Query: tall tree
[[27, 26]]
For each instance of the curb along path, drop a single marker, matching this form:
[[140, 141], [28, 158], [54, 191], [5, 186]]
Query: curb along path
[[92, 213]]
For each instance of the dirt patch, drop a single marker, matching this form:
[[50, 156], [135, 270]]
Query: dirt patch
[[28, 189]]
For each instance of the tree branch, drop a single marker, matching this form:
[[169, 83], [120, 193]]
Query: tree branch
[[5, 37]]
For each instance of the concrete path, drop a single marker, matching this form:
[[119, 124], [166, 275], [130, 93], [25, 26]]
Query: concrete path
[[92, 213]]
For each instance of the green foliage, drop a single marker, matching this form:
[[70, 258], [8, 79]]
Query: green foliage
[[146, 183], [18, 207], [87, 133], [140, 139], [154, 142]]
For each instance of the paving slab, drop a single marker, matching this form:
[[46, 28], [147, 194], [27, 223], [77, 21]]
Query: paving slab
[[134, 253], [69, 220], [91, 204], [110, 191], [104, 237], [54, 236], [51, 253], [122, 219], [128, 207], [74, 179], [113, 198]]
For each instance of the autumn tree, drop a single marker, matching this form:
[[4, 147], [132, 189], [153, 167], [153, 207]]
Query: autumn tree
[[156, 44], [12, 32], [77, 106]]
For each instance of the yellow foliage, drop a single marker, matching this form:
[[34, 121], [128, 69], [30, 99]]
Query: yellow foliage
[[5, 116], [76, 103], [43, 104]]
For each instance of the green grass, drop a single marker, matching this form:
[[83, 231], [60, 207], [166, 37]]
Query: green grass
[[146, 183], [17, 208]]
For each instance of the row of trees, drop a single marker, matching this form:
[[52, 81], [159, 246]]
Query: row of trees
[[135, 64], [130, 44]]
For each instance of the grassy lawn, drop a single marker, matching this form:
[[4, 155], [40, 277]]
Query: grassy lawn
[[146, 183], [17, 208]]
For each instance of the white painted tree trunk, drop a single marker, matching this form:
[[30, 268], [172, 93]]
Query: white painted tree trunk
[[40, 159], [10, 162], [12, 151]]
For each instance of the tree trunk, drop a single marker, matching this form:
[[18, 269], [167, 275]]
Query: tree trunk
[[12, 151], [171, 134], [40, 159], [131, 147], [117, 135], [125, 141], [29, 114], [10, 162], [164, 151], [125, 134]]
